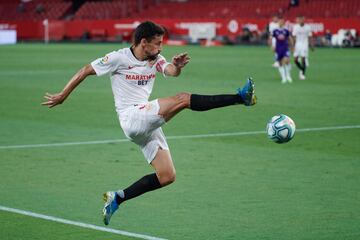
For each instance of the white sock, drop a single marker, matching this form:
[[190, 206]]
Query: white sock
[[282, 73], [121, 194], [287, 71]]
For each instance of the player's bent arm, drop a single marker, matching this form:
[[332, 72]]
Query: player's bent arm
[[312, 43], [178, 62], [77, 79], [292, 43], [59, 98], [172, 70], [269, 41]]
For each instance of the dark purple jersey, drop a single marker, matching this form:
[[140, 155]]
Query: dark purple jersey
[[282, 39]]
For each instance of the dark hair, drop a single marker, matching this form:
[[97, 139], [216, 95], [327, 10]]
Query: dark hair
[[147, 30]]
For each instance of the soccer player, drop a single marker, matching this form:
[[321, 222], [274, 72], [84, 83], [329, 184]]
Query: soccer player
[[274, 24], [283, 40], [132, 73], [302, 33]]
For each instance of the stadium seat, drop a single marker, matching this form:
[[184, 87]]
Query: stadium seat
[[224, 9], [33, 10]]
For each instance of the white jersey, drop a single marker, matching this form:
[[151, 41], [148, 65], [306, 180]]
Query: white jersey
[[302, 34], [273, 26], [132, 80]]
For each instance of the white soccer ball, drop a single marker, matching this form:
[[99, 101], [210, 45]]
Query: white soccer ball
[[280, 128]]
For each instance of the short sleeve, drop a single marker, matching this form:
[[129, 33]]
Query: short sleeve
[[271, 29], [161, 64], [107, 64], [294, 33], [309, 31]]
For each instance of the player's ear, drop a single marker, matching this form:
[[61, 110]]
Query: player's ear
[[143, 42]]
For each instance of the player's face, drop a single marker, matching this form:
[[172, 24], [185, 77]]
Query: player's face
[[153, 48], [301, 20], [281, 22]]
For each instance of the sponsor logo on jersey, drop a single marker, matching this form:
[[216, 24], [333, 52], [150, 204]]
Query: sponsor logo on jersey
[[131, 67], [281, 37], [140, 77]]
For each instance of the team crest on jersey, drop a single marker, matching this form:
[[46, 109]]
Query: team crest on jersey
[[104, 60]]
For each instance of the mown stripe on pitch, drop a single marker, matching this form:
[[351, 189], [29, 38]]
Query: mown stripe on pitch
[[171, 137]]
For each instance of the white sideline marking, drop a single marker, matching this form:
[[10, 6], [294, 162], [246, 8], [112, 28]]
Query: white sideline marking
[[79, 224], [173, 137]]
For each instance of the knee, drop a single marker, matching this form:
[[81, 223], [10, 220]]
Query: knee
[[183, 99], [166, 178]]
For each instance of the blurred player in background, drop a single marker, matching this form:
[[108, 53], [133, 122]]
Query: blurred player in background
[[132, 73], [283, 44], [274, 24], [303, 37]]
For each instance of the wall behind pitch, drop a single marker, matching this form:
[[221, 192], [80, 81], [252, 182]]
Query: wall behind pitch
[[110, 29]]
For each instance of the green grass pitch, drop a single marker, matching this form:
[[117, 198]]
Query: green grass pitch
[[234, 187]]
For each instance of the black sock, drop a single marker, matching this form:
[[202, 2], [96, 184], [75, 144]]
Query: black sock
[[145, 184], [304, 65], [298, 64], [205, 102]]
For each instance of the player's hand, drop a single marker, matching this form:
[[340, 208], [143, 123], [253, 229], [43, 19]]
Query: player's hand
[[180, 60], [53, 99]]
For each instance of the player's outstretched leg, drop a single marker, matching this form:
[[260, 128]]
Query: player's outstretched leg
[[170, 106], [245, 95]]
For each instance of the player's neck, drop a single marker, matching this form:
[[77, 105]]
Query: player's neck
[[138, 53]]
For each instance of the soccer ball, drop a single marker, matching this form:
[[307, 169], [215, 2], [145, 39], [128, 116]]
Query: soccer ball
[[280, 128]]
